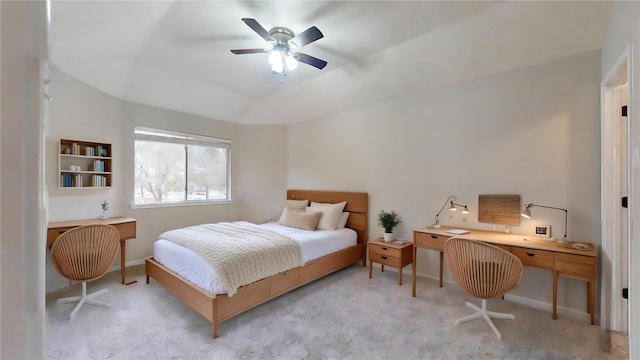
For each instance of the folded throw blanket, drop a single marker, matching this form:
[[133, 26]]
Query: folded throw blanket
[[240, 252]]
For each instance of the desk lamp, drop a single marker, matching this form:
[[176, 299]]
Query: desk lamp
[[527, 214], [452, 207]]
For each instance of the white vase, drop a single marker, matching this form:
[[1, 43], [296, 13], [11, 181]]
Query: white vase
[[388, 237]]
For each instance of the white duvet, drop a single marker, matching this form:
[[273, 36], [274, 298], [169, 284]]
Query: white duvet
[[189, 265]]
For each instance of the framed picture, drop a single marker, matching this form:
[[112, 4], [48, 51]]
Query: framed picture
[[543, 231]]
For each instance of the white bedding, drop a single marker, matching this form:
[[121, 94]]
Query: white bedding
[[189, 265]]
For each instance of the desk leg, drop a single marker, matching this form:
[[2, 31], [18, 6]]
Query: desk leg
[[123, 257], [400, 276], [555, 293], [588, 297], [370, 268], [592, 294], [413, 272], [441, 261]]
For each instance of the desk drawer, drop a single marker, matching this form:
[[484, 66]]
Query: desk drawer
[[385, 259], [53, 233], [531, 257], [127, 230], [430, 241], [577, 264], [503, 247]]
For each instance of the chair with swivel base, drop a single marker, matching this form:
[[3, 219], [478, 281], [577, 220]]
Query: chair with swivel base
[[85, 254], [483, 271]]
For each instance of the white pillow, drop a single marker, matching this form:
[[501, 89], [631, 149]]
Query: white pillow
[[300, 219], [330, 214], [292, 204], [343, 220]]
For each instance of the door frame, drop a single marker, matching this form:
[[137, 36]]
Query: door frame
[[612, 314]]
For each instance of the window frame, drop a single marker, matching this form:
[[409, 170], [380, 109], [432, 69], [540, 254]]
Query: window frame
[[144, 133]]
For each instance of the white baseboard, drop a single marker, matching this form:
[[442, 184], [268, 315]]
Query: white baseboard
[[115, 267], [536, 304]]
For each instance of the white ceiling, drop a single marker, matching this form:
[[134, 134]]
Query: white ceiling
[[175, 54]]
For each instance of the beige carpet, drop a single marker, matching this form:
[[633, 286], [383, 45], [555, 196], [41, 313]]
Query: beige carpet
[[342, 316]]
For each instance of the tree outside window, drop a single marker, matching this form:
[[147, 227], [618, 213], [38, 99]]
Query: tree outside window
[[173, 167]]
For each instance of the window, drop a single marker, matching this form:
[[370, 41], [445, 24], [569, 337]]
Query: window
[[173, 167]]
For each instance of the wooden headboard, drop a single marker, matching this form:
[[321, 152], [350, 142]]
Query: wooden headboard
[[357, 206]]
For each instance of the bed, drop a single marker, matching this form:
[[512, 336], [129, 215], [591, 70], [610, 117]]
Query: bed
[[219, 307]]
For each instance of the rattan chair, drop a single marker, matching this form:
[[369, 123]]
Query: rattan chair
[[483, 271], [85, 254]]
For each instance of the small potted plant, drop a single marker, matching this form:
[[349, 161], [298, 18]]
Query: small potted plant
[[105, 208], [388, 221]]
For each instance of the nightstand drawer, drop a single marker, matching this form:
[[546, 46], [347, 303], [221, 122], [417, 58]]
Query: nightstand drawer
[[385, 259], [383, 250], [531, 257], [578, 264], [430, 241]]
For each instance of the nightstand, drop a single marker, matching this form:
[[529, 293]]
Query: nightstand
[[390, 254]]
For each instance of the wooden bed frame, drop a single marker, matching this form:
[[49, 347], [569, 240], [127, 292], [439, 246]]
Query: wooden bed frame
[[222, 307]]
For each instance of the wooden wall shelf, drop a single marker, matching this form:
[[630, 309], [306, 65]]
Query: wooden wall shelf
[[84, 164]]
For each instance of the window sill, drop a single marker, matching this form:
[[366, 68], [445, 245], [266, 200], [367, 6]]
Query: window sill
[[180, 203]]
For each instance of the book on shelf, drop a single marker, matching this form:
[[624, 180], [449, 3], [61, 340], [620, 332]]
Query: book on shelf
[[97, 166], [71, 180], [98, 181], [75, 149]]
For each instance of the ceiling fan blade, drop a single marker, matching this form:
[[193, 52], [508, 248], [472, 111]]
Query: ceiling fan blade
[[310, 60], [255, 26], [308, 36], [249, 51]]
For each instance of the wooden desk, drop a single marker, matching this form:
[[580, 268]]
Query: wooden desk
[[561, 259], [125, 226]]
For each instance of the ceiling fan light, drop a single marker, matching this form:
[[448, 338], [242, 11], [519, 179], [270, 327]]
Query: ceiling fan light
[[292, 63], [274, 58], [278, 67]]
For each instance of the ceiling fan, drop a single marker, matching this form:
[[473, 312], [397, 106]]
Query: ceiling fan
[[283, 43]]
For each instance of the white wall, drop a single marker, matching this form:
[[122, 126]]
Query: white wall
[[624, 30], [79, 111], [533, 132], [22, 308]]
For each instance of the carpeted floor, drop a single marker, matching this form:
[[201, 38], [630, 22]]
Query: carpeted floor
[[343, 316]]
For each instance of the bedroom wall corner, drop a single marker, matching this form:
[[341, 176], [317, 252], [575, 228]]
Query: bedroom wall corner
[[261, 165]]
